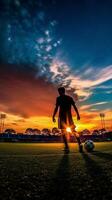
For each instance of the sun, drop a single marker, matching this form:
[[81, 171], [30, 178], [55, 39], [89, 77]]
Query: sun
[[68, 129]]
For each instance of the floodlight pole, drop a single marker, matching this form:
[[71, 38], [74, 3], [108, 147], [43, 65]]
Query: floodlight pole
[[102, 116], [2, 122], [0, 125]]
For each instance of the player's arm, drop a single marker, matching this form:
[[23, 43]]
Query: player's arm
[[55, 111], [76, 110]]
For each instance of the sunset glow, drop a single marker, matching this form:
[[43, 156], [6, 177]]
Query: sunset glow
[[88, 121], [68, 129], [43, 49]]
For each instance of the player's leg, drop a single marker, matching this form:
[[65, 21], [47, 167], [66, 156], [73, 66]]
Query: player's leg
[[65, 140], [78, 141]]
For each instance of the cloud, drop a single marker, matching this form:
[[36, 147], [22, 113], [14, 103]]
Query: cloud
[[109, 92], [24, 95], [62, 74], [86, 107]]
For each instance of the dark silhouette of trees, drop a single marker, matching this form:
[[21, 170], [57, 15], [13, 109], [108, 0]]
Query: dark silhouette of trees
[[46, 131], [95, 132], [55, 131], [85, 132], [36, 131], [10, 130], [29, 131], [32, 131]]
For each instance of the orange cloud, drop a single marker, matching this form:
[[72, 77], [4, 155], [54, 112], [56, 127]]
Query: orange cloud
[[24, 95], [28, 101]]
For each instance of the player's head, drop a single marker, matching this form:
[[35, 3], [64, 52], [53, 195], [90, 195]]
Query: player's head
[[61, 91]]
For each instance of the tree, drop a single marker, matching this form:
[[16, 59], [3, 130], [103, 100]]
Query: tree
[[29, 131], [95, 132], [46, 131], [86, 132], [55, 131], [36, 131], [10, 130]]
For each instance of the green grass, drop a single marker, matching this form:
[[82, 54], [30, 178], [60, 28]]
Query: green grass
[[43, 171]]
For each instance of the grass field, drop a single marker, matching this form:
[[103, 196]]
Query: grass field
[[43, 171]]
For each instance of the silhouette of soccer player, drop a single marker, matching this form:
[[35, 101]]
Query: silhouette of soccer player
[[64, 103]]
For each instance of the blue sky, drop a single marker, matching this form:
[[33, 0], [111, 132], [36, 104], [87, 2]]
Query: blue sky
[[85, 27]]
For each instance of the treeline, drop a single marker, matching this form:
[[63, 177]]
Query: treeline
[[9, 137]]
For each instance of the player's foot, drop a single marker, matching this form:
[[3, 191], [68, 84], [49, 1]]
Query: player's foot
[[80, 148], [66, 150]]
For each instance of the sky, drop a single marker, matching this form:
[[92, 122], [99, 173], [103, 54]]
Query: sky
[[50, 43]]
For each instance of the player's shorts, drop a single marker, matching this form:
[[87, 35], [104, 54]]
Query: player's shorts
[[63, 123]]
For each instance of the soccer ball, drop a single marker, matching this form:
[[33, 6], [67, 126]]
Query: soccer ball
[[89, 145]]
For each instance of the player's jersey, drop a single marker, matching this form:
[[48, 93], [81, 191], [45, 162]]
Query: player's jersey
[[64, 102], [65, 117]]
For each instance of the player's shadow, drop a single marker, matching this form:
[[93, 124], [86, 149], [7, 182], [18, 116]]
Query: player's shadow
[[99, 180], [103, 155], [61, 186]]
